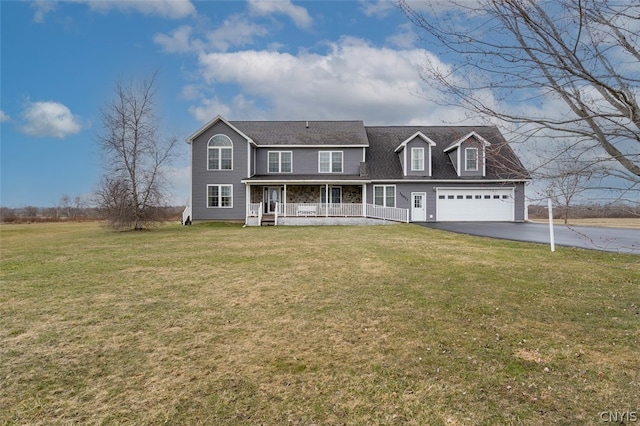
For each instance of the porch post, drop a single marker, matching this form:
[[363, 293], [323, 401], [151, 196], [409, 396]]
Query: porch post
[[364, 200], [284, 200], [247, 199], [326, 200]]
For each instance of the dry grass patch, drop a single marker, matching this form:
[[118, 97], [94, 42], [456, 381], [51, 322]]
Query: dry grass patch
[[215, 324]]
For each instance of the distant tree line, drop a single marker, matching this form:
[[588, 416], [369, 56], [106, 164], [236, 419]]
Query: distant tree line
[[586, 211], [69, 208]]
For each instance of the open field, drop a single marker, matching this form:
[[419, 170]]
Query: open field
[[630, 223], [401, 324]]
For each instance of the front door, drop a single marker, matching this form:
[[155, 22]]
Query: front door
[[273, 197], [418, 206]]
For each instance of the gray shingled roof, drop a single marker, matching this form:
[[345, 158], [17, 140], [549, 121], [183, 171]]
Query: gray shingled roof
[[502, 163], [304, 132], [382, 161]]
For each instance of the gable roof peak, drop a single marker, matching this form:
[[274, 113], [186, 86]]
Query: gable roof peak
[[417, 134], [456, 144], [215, 120]]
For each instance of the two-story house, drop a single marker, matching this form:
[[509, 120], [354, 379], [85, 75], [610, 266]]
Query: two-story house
[[303, 172]]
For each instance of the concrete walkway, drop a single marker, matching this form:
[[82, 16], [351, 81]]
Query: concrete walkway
[[606, 239]]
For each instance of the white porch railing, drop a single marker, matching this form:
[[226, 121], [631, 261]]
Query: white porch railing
[[187, 217], [341, 210], [255, 210], [387, 213], [329, 210], [321, 209]]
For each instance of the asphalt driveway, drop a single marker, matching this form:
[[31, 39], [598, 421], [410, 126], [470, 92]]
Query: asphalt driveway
[[594, 238]]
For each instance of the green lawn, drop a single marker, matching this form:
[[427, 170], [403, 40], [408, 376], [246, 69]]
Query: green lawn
[[216, 324]]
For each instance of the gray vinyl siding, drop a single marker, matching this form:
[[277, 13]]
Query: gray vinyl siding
[[305, 160], [519, 195], [404, 190], [201, 177], [453, 157]]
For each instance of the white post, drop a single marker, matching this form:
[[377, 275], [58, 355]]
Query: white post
[[247, 196], [326, 200], [551, 237], [275, 219], [284, 196], [364, 200]]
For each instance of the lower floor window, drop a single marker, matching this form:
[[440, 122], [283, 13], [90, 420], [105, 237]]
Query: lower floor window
[[384, 195], [219, 195], [335, 194]]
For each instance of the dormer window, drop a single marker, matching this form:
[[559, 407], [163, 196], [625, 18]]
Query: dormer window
[[471, 159], [415, 155], [220, 153], [417, 159]]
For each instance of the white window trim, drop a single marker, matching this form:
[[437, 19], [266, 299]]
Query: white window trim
[[466, 156], [279, 161], [413, 151], [219, 196], [384, 195], [331, 161], [219, 149]]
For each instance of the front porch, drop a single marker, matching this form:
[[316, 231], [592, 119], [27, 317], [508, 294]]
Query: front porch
[[324, 204], [319, 214]]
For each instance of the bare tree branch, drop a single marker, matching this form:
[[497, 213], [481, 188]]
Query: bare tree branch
[[513, 60]]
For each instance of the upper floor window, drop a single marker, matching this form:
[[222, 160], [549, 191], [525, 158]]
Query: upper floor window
[[220, 153], [417, 159], [330, 162], [280, 161], [471, 159]]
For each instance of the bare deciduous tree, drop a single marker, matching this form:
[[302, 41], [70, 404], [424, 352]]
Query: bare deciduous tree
[[567, 181], [133, 188], [566, 69]]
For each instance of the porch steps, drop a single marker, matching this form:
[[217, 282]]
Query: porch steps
[[268, 220]]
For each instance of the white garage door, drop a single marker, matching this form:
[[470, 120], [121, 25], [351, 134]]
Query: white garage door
[[472, 205]]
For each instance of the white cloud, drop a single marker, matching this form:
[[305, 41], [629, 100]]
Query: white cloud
[[353, 80], [191, 92], [179, 41], [4, 117], [171, 9], [42, 7], [298, 14], [235, 31], [209, 108], [405, 38], [49, 119], [378, 9]]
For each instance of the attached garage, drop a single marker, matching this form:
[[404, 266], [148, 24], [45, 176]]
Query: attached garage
[[475, 204]]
